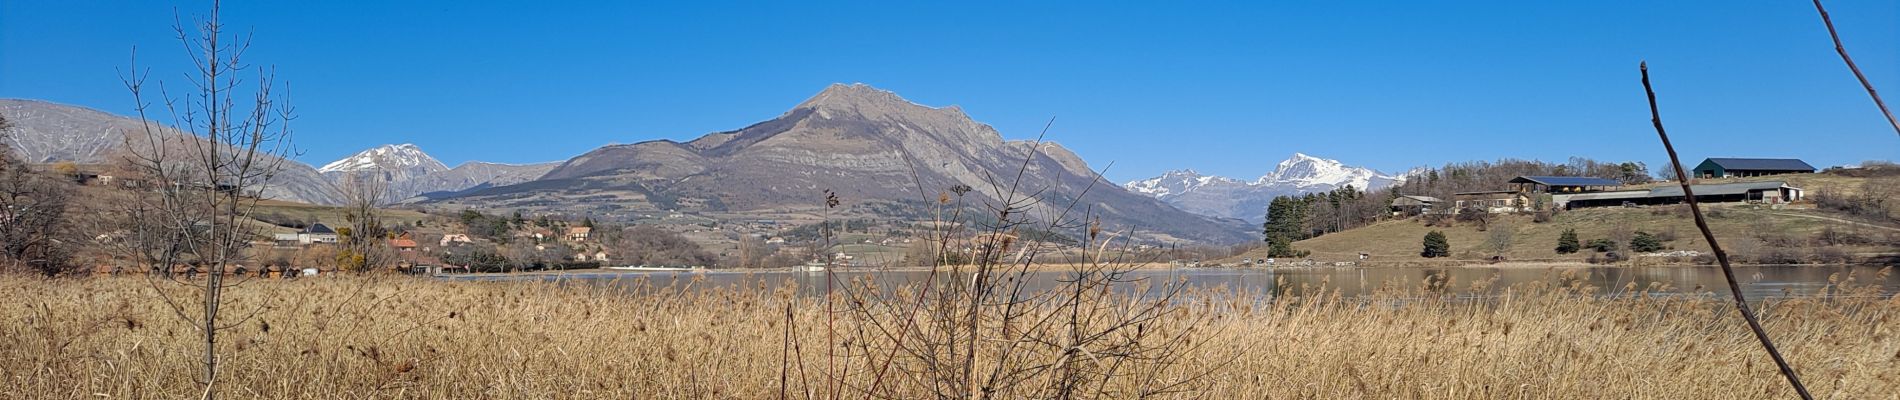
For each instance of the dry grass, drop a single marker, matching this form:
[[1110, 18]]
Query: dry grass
[[347, 337]]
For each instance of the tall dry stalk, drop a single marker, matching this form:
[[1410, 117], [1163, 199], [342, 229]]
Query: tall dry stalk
[[1728, 272], [975, 329], [205, 170], [1842, 50]]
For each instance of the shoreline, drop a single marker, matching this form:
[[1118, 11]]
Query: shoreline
[[602, 272]]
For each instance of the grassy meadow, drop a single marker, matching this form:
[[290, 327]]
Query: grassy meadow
[[1740, 229], [399, 337]]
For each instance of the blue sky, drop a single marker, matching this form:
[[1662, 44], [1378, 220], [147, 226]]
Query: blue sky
[[1224, 88]]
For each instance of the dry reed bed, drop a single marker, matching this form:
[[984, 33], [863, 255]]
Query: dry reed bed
[[395, 337]]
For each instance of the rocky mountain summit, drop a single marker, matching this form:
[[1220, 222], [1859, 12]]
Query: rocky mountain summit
[[870, 146], [394, 162]]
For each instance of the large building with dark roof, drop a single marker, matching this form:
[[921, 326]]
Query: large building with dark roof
[[1564, 184], [1739, 167], [1771, 192]]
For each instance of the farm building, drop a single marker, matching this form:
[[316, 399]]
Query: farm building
[[1740, 167], [1745, 192], [1414, 205], [1564, 184]]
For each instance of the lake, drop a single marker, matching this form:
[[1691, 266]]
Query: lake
[[1758, 282]]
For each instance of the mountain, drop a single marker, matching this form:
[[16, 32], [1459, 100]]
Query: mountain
[[1233, 198], [472, 175], [393, 162], [886, 156], [50, 132], [410, 172]]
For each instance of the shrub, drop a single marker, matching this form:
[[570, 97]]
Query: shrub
[[1602, 245], [1830, 255], [1645, 243], [1834, 237], [1474, 214], [1778, 255], [1436, 245], [1541, 216], [1567, 243]]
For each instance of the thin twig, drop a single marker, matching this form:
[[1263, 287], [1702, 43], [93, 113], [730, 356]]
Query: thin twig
[[1688, 195], [1839, 48]]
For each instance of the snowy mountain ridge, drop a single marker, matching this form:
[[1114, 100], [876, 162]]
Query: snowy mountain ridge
[[1234, 198]]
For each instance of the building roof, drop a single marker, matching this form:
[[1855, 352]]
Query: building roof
[[319, 228], [579, 230], [402, 242], [1718, 189], [1481, 192], [1761, 164], [1616, 195], [1566, 181], [1427, 199]]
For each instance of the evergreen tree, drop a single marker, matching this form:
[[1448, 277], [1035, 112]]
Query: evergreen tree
[[1567, 243], [1602, 245], [1436, 245], [1644, 242], [1285, 218]]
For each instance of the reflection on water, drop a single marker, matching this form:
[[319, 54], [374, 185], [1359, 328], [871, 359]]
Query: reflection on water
[[1757, 281]]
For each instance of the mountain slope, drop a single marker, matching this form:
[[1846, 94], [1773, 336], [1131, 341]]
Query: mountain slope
[[50, 132], [471, 175], [1247, 200], [866, 144]]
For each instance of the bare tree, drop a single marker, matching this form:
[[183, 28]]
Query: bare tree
[[363, 243], [1501, 236], [33, 215], [204, 168]]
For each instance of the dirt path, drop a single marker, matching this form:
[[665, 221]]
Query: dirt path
[[1849, 222]]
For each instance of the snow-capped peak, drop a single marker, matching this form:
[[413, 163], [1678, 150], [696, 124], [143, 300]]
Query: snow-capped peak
[[1174, 182], [1303, 171], [399, 159], [1234, 198]]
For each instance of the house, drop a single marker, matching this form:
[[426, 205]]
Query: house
[[579, 233], [318, 233], [1494, 201], [403, 243], [542, 234], [1414, 205], [1739, 167], [775, 240], [1564, 184], [600, 256], [454, 238], [1772, 192], [314, 234]]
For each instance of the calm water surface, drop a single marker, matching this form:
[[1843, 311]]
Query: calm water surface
[[1757, 281]]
